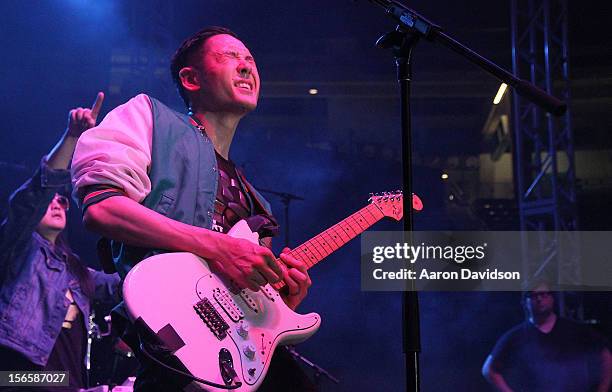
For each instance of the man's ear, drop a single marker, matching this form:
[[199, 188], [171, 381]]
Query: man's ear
[[190, 78]]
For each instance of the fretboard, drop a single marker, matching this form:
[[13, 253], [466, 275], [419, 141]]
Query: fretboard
[[332, 239]]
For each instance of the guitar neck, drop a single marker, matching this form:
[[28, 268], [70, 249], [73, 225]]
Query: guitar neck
[[332, 239]]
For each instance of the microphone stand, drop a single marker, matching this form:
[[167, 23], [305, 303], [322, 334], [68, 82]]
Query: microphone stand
[[402, 41], [93, 332], [286, 199], [319, 371]]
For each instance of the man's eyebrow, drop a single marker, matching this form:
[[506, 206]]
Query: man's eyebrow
[[247, 56]]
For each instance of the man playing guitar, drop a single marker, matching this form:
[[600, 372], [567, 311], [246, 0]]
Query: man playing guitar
[[153, 180]]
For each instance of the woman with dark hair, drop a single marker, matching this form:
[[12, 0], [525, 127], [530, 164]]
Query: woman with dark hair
[[45, 290]]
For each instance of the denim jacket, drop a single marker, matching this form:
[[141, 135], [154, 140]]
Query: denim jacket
[[33, 277]]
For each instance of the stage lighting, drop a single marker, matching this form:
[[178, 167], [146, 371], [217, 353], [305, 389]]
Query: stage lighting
[[500, 93]]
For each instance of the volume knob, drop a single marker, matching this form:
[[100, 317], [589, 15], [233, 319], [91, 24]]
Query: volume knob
[[243, 329], [249, 351]]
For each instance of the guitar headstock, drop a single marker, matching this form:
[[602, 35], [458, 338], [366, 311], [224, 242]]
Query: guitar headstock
[[391, 204]]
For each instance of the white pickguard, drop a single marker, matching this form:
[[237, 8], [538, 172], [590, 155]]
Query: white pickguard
[[164, 289]]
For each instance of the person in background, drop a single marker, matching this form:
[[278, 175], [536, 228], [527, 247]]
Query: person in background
[[45, 289], [548, 352]]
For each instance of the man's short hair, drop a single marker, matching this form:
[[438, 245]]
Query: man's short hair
[[185, 55], [533, 284]]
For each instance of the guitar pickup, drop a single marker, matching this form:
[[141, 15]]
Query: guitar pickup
[[224, 299], [250, 302], [211, 318], [268, 292]]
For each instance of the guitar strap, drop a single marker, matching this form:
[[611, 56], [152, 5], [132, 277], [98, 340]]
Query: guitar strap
[[261, 220], [253, 195]]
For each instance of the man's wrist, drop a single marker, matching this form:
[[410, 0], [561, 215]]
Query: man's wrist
[[210, 244], [70, 135]]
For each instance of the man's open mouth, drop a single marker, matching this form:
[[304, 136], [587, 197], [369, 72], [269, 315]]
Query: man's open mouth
[[246, 85]]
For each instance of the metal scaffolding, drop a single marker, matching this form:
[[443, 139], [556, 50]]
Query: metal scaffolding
[[543, 144]]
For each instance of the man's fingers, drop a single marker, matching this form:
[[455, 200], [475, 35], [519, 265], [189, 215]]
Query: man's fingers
[[90, 122], [268, 270], [252, 285], [255, 280], [297, 281], [272, 264], [97, 105], [258, 277], [300, 277], [292, 286], [293, 262], [269, 275], [78, 114]]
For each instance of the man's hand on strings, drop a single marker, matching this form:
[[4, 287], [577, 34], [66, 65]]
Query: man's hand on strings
[[296, 279], [246, 264]]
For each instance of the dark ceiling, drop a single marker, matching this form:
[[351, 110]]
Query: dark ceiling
[[63, 50]]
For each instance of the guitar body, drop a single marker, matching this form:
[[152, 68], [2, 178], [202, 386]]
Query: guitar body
[[227, 337], [178, 292]]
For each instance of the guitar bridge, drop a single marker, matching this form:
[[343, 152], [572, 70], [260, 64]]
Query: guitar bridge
[[211, 318]]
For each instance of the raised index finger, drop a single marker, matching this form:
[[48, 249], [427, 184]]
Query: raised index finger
[[97, 105]]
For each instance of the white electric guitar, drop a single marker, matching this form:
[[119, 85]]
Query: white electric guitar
[[227, 337]]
